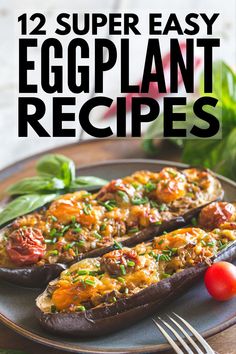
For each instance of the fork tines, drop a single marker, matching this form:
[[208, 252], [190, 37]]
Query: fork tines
[[188, 338]]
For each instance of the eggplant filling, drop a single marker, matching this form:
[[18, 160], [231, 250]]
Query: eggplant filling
[[122, 273], [77, 223]]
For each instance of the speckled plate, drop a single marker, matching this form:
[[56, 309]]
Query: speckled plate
[[206, 315]]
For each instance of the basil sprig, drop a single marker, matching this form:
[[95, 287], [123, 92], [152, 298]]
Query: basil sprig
[[218, 154], [23, 205], [55, 176]]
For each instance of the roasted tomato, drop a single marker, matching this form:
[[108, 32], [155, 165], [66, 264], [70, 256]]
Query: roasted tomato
[[25, 246], [220, 281], [215, 214], [119, 262], [69, 206], [172, 185]]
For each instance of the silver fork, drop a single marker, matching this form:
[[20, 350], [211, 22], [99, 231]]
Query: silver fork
[[177, 349]]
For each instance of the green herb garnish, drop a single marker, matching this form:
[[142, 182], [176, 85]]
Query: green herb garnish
[[130, 263], [165, 275], [53, 309], [133, 230], [87, 209], [153, 204], [109, 204], [122, 268], [54, 252], [194, 221], [139, 201], [80, 308], [56, 175], [102, 227], [82, 272], [149, 187], [89, 282], [97, 235], [121, 280], [117, 245], [163, 207], [123, 195]]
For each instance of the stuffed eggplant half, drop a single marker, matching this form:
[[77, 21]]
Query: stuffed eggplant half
[[100, 295], [35, 248]]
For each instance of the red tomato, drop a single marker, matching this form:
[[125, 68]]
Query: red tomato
[[25, 246], [214, 214], [220, 281]]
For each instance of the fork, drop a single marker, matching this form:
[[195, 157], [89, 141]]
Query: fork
[[177, 349]]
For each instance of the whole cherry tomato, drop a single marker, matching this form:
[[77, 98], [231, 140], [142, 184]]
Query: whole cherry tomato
[[220, 281]]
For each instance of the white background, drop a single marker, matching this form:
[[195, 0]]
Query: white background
[[13, 148]]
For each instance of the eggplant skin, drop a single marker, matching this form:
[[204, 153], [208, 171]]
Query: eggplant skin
[[40, 276], [32, 277], [125, 312]]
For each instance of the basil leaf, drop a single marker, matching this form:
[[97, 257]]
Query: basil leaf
[[35, 185], [217, 154], [224, 85], [57, 166], [24, 205], [227, 164], [90, 181]]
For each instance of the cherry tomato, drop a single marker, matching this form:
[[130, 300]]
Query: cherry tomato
[[172, 185], [214, 214], [25, 246], [220, 281]]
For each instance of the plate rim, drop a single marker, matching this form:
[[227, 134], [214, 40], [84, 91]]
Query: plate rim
[[144, 348]]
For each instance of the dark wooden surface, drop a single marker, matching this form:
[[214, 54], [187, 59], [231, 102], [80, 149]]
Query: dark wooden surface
[[84, 154]]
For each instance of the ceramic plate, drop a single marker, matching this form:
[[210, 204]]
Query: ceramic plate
[[205, 314]]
